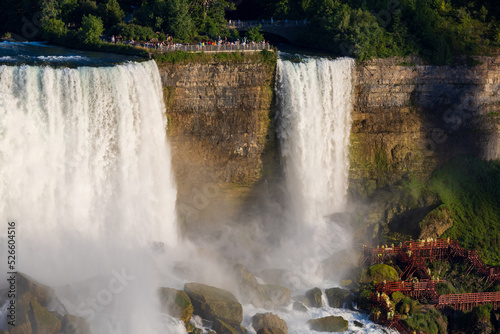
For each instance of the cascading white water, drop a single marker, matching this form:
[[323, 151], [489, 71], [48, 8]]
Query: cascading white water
[[314, 121], [85, 173], [315, 102], [85, 150]]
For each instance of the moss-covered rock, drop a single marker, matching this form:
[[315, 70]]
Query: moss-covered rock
[[23, 324], [397, 296], [337, 297], [26, 284], [313, 297], [329, 324], [213, 303], [32, 316], [426, 319], [364, 299], [176, 303], [44, 321], [269, 321], [222, 327], [379, 273]]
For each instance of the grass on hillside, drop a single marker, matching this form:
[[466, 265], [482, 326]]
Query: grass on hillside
[[469, 189]]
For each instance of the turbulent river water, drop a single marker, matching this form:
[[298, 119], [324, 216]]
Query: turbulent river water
[[85, 172]]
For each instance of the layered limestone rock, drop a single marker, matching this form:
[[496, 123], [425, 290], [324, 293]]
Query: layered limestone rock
[[408, 117], [221, 132]]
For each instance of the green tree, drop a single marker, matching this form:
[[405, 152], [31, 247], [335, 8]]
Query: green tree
[[53, 29], [255, 34], [50, 10], [91, 30], [179, 22], [209, 16], [110, 13]]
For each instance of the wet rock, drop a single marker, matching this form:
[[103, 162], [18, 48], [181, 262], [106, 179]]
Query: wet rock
[[298, 306], [270, 331], [222, 327], [337, 297], [313, 297], [435, 223], [176, 303], [28, 288], [358, 324], [32, 315], [329, 324], [44, 321], [250, 290], [213, 303], [278, 295], [270, 322]]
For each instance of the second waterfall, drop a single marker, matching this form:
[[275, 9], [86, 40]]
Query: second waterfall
[[315, 103]]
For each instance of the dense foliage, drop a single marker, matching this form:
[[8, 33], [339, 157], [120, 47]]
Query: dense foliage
[[83, 22], [434, 29]]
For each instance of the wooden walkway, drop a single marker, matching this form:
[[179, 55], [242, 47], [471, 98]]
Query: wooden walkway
[[414, 255]]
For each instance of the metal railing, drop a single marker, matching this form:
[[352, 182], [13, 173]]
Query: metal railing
[[266, 23], [215, 48]]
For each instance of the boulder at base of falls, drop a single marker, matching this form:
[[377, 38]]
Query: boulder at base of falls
[[267, 296], [313, 297], [32, 315], [250, 290], [337, 297], [212, 303], [224, 328], [75, 325], [43, 320], [270, 331], [176, 303], [269, 321], [277, 294], [298, 306], [329, 324]]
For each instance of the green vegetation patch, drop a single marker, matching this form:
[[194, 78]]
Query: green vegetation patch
[[379, 273], [183, 57], [470, 189]]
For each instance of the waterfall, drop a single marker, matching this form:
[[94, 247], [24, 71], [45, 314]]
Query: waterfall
[[314, 106], [85, 172], [85, 150]]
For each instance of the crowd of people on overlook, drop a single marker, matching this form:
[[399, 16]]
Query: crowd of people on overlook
[[169, 44]]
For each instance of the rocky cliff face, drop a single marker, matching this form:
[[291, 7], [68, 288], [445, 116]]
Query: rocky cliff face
[[221, 130], [409, 117]]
